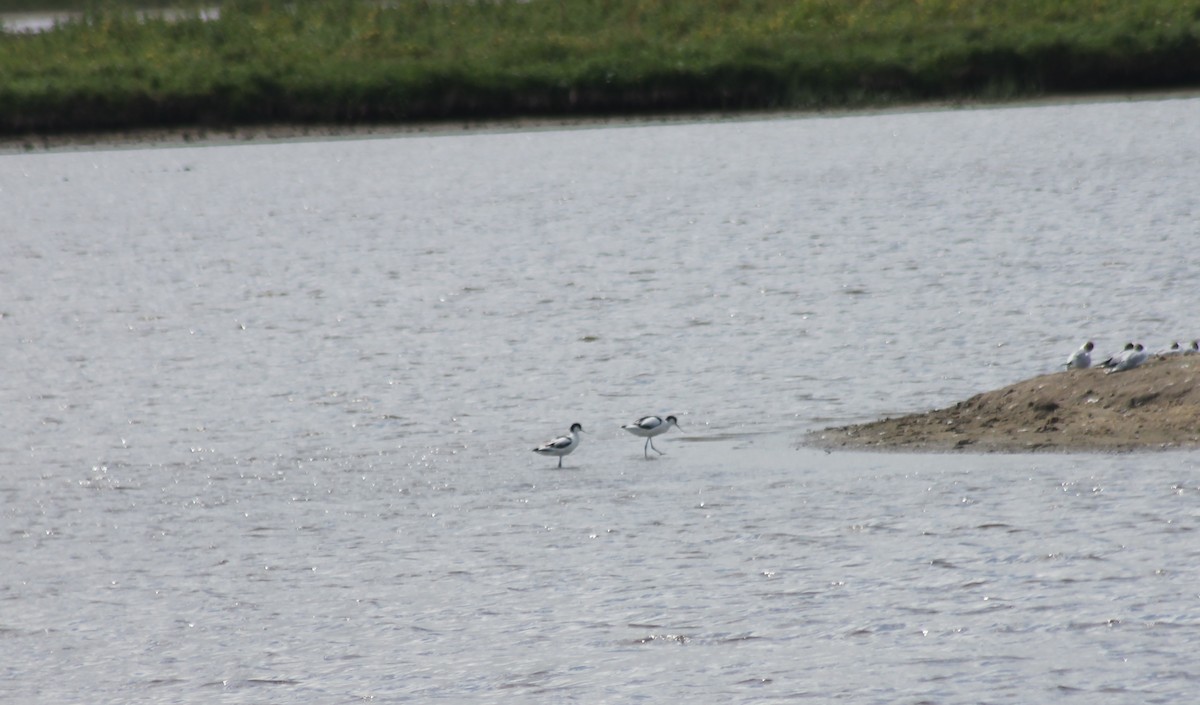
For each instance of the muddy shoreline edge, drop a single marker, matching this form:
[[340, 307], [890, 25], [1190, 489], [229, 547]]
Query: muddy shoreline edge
[[1152, 407], [202, 135]]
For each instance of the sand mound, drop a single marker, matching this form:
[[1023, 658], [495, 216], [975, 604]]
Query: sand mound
[[1155, 406]]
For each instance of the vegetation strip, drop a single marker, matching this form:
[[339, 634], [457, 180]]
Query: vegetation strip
[[309, 62]]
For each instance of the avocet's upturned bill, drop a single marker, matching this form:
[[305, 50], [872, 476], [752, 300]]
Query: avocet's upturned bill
[[563, 445], [1135, 357], [650, 426], [1082, 358]]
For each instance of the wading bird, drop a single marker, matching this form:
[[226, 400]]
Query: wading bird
[[650, 426], [563, 445]]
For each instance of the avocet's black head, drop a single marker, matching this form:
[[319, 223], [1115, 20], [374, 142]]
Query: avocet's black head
[[576, 427], [1089, 346], [1129, 346]]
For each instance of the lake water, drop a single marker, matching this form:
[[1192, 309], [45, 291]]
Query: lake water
[[268, 412], [41, 21]]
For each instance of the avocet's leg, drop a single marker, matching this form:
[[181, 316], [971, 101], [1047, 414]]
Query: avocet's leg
[[656, 450]]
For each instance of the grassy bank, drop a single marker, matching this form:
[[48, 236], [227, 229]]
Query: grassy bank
[[349, 62]]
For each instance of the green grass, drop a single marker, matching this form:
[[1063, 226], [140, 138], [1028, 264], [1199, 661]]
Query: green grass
[[344, 62]]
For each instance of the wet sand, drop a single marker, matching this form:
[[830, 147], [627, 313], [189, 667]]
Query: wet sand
[[1155, 406]]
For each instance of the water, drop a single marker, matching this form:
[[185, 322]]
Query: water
[[268, 412], [35, 21]]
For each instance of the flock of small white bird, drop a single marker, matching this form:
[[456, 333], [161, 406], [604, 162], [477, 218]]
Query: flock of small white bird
[[647, 427], [1130, 357]]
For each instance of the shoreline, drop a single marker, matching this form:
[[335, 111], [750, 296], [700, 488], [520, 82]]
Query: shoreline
[[1152, 407], [201, 135]]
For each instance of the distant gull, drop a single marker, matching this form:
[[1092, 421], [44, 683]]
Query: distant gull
[[648, 427], [563, 445], [1116, 359], [1178, 349], [1135, 357], [1082, 359]]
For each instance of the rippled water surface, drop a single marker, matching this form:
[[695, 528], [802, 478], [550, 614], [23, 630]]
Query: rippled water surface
[[268, 412]]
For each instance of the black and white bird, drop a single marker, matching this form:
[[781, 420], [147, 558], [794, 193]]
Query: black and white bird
[[650, 426], [1081, 359], [1116, 359], [1137, 356], [563, 445], [1179, 349]]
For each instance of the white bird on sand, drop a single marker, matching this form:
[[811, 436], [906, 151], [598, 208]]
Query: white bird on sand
[[1136, 357], [650, 426], [1175, 349], [1116, 359], [563, 445], [1082, 358]]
